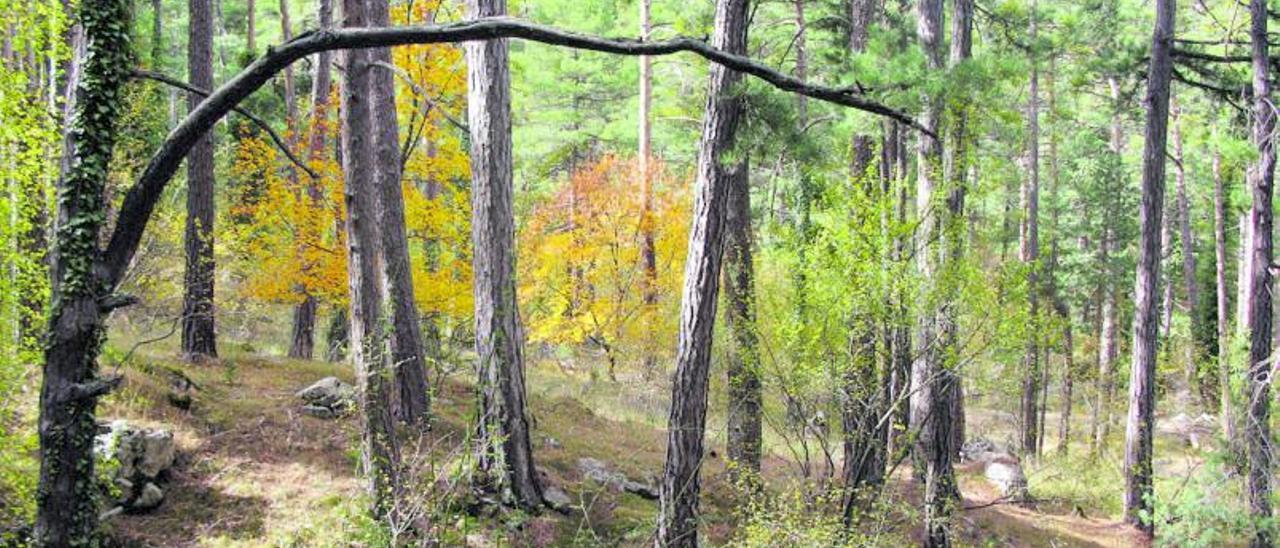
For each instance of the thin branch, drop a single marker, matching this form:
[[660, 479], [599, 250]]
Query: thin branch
[[157, 77], [141, 199]]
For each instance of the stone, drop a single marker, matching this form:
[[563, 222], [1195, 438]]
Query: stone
[[557, 498], [328, 392], [975, 449], [150, 497], [1006, 473], [599, 472], [158, 453], [319, 412]]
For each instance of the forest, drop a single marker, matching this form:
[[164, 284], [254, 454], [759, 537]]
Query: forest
[[749, 273]]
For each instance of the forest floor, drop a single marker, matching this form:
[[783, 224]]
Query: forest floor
[[254, 471]]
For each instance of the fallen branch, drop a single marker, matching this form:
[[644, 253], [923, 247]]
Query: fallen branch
[[142, 197]]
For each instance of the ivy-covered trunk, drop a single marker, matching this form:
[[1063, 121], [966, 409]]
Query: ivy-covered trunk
[[199, 339], [66, 501]]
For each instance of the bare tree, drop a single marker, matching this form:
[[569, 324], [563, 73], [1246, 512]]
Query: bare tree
[[1138, 501]]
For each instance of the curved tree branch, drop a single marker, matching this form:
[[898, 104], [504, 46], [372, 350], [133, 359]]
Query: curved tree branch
[[142, 197], [275, 137]]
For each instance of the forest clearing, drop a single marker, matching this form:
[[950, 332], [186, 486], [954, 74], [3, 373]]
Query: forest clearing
[[637, 273]]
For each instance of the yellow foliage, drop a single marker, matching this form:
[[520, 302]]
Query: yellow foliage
[[582, 277]]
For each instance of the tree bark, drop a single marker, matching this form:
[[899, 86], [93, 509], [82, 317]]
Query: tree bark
[[956, 169], [931, 382], [648, 254], [743, 367], [199, 337], [1258, 425], [251, 29], [505, 452], [410, 400], [1100, 421], [66, 508], [678, 509], [379, 450], [1030, 250], [1138, 496], [1225, 411], [1188, 252]]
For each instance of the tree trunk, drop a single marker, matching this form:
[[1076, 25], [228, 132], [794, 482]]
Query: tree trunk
[[1225, 411], [410, 401], [1030, 251], [338, 336], [1258, 425], [157, 34], [931, 381], [66, 500], [1164, 342], [199, 339], [251, 30], [380, 449], [1138, 496], [1188, 252], [743, 364], [648, 254], [955, 168], [304, 313], [1100, 421], [1244, 267], [505, 452], [678, 509]]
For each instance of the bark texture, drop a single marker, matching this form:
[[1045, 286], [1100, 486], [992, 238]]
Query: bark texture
[[199, 339], [1257, 424], [380, 451], [678, 506], [1138, 496], [743, 367], [1030, 251], [505, 453]]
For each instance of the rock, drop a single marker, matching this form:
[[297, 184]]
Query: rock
[[328, 392], [557, 498], [1190, 429], [150, 497], [975, 449], [1006, 473], [319, 412], [599, 472]]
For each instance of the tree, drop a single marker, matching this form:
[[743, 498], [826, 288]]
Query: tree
[[410, 400], [931, 384], [1192, 288], [1257, 424], [678, 505], [1030, 254], [199, 338], [743, 445], [380, 451], [1225, 408], [505, 452], [1138, 496]]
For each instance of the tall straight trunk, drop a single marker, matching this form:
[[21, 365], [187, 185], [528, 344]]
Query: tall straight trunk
[[380, 450], [410, 401], [66, 508], [955, 169], [864, 402], [1225, 410], [1169, 217], [157, 33], [251, 30], [1244, 266], [199, 338], [1100, 422], [1060, 306], [931, 382], [648, 254], [302, 345], [743, 364], [898, 337], [1030, 250], [678, 506], [1258, 425], [1188, 252], [1138, 495], [505, 452]]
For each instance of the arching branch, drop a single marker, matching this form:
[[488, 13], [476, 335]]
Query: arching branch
[[275, 137], [142, 197]]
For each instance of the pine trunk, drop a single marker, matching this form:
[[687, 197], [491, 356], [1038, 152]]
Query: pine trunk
[[198, 331], [1138, 496], [743, 367], [686, 425], [1225, 411], [505, 452]]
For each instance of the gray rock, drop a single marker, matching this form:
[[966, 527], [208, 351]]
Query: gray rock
[[557, 498], [150, 497], [319, 412], [328, 392], [974, 450], [599, 472], [1006, 473]]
